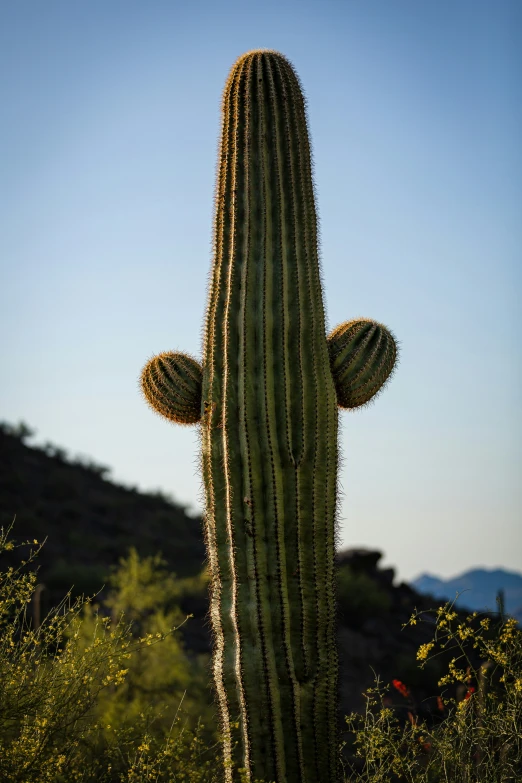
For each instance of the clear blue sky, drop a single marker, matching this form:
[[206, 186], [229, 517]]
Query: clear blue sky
[[109, 127]]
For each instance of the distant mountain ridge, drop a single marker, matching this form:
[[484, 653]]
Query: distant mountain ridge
[[479, 588]]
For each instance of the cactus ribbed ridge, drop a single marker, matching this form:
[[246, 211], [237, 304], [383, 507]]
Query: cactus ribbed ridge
[[269, 409]]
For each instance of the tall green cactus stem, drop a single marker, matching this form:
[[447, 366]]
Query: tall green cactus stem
[[270, 436], [269, 439]]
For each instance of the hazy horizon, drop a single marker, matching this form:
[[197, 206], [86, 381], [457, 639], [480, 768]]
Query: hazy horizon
[[109, 138]]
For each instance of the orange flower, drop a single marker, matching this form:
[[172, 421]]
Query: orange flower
[[471, 690], [402, 688], [440, 703]]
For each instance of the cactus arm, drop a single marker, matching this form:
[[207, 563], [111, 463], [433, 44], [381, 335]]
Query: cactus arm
[[363, 356], [171, 386]]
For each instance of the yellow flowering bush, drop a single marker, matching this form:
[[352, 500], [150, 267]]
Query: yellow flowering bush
[[477, 735], [80, 696]]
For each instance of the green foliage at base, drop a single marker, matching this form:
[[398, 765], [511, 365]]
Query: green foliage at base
[[477, 736], [102, 692], [106, 693]]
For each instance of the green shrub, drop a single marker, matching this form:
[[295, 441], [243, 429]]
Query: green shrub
[[160, 676], [85, 698], [478, 736]]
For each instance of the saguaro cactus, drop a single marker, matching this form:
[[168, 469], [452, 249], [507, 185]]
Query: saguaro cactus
[[267, 395]]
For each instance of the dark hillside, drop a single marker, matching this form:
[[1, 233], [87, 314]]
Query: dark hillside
[[89, 521]]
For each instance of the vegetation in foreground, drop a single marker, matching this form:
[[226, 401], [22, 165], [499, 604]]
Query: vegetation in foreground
[[101, 692], [478, 735], [106, 692]]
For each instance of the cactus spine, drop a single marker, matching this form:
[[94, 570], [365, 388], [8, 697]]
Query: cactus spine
[[269, 437]]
